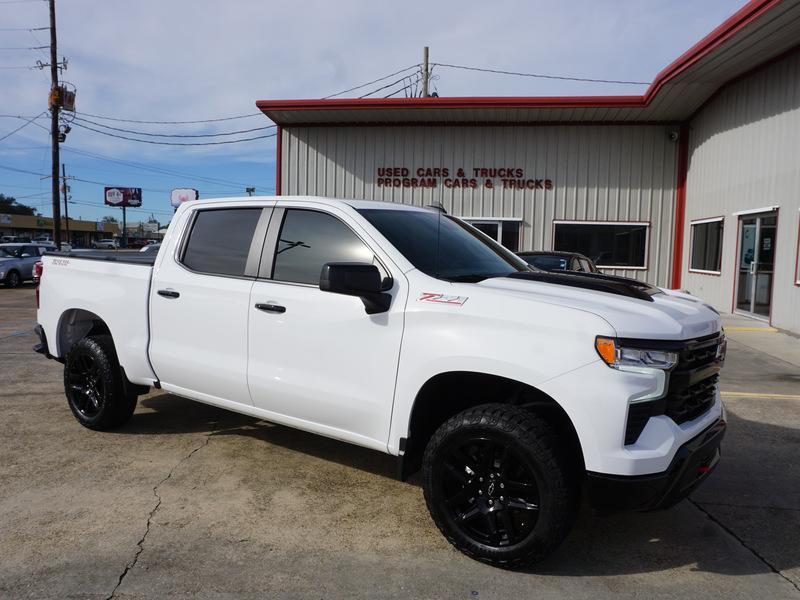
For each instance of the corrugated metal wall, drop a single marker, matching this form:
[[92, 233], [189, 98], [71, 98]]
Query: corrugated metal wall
[[604, 173], [744, 154]]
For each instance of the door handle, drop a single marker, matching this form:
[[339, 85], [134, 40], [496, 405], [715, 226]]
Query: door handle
[[168, 293], [276, 308]]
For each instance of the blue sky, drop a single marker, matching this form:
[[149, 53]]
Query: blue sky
[[203, 59]]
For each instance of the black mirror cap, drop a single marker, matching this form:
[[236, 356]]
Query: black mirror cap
[[356, 279], [351, 279]]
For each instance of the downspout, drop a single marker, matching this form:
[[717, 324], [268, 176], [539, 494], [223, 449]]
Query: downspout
[[278, 160], [680, 205]]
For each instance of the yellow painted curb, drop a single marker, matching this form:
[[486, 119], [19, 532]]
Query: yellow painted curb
[[761, 329], [759, 395]]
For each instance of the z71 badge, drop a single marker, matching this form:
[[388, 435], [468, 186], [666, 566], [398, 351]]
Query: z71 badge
[[442, 298]]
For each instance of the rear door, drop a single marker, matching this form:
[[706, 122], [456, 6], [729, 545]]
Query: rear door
[[317, 360], [199, 304]]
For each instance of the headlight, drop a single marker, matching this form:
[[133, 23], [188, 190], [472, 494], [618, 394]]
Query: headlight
[[616, 356]]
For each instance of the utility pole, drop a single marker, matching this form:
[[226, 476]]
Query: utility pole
[[55, 103], [66, 207], [425, 70]]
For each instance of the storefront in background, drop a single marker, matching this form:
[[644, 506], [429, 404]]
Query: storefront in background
[[79, 233], [693, 184]]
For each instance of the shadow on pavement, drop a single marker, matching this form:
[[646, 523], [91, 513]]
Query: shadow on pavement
[[753, 476]]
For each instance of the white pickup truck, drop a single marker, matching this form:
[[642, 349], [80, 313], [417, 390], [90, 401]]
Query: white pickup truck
[[405, 330]]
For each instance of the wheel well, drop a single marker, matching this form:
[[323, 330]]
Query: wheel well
[[447, 394], [76, 324]]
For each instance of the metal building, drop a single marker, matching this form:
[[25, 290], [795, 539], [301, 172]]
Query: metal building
[[695, 184]]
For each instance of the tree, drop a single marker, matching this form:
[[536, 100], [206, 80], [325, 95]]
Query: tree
[[10, 206], [110, 219]]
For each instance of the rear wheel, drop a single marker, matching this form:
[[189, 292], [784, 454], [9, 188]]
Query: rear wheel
[[13, 279], [499, 486], [94, 385]]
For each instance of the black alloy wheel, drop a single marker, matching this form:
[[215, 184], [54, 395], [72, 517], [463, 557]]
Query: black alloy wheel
[[94, 384], [489, 492], [86, 386], [501, 484]]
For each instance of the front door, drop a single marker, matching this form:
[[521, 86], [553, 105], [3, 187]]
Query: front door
[[317, 360], [756, 263]]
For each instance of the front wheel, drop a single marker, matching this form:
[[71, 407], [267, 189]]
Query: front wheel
[[94, 384], [499, 485]]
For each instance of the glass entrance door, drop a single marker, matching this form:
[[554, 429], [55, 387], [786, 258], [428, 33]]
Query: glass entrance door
[[756, 263]]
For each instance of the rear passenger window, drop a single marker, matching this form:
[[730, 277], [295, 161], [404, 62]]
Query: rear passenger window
[[308, 239], [220, 240]]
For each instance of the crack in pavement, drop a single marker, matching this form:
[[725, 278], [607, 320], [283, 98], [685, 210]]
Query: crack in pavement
[[140, 543], [752, 550]]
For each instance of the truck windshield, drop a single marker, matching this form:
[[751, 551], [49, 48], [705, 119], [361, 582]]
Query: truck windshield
[[442, 246]]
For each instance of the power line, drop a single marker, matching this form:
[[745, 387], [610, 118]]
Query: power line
[[122, 137], [175, 135], [25, 48], [22, 171], [23, 28], [20, 1], [144, 167], [383, 87], [217, 120], [25, 124], [541, 76], [363, 85]]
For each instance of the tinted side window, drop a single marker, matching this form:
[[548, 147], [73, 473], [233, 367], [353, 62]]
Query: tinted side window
[[220, 240], [308, 239]]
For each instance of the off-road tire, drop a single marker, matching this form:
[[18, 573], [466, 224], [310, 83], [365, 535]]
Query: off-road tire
[[538, 451], [13, 279], [105, 402]]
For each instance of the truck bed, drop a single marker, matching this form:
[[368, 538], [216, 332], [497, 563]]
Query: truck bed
[[77, 288], [134, 257]]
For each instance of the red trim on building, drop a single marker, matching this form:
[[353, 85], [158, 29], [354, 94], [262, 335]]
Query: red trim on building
[[680, 205], [278, 160]]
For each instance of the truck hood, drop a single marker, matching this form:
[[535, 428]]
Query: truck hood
[[667, 316]]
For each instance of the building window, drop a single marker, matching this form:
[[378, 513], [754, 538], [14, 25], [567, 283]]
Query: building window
[[609, 245], [504, 231], [706, 246]]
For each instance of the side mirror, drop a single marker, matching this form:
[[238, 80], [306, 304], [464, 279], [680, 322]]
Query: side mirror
[[356, 279]]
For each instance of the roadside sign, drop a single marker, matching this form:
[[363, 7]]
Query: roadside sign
[[123, 196], [181, 195]]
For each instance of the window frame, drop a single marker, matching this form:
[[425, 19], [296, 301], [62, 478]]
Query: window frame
[[691, 244], [647, 235], [499, 222], [266, 268], [254, 253]]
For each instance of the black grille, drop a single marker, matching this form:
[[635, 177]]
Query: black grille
[[693, 401], [692, 384]]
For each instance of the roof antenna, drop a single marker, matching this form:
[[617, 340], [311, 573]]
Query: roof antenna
[[438, 206]]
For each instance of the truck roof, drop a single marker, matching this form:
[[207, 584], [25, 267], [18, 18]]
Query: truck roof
[[357, 204]]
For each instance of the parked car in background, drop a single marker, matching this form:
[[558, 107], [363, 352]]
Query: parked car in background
[[8, 239], [105, 244], [151, 248], [559, 261], [17, 260]]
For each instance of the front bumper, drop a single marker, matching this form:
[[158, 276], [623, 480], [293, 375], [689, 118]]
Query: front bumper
[[691, 466]]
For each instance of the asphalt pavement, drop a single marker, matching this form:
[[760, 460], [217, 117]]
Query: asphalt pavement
[[191, 501]]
